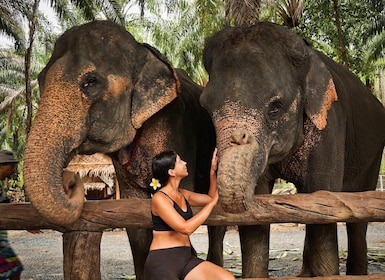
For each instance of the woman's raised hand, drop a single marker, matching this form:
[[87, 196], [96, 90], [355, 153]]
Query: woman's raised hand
[[215, 198], [214, 161]]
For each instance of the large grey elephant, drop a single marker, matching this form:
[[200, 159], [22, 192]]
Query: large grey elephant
[[102, 91], [283, 110]]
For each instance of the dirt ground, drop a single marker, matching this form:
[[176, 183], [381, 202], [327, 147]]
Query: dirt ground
[[42, 255]]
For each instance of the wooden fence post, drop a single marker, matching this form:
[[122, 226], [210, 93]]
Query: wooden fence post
[[81, 252]]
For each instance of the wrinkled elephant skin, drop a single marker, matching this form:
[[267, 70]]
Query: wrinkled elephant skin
[[229, 162], [283, 110], [102, 91]]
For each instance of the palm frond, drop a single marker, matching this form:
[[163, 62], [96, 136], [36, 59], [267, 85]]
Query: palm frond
[[290, 11], [374, 50], [242, 12], [11, 25], [112, 10]]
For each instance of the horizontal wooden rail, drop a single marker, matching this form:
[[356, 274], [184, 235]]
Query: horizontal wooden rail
[[319, 207], [316, 208]]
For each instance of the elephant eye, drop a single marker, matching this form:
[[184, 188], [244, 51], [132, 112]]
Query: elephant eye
[[92, 85], [274, 109], [91, 81]]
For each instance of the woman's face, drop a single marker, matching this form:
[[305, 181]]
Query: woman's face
[[180, 168]]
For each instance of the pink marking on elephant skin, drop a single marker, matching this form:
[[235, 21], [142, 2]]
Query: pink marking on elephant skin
[[320, 119]]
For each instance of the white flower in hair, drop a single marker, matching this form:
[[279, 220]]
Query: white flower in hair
[[155, 184]]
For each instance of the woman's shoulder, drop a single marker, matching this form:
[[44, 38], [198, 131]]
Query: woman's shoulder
[[160, 197]]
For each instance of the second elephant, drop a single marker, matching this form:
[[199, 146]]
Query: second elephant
[[283, 110]]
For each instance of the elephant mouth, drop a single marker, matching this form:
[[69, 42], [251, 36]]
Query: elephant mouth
[[129, 153]]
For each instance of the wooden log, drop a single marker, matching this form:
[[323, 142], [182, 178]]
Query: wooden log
[[319, 207], [81, 255], [16, 216]]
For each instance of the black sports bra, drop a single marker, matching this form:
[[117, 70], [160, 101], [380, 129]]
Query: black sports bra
[[160, 225]]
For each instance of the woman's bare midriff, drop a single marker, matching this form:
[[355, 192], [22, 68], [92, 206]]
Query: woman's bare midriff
[[168, 239]]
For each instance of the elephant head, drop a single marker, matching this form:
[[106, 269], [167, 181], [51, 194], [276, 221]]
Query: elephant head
[[96, 77], [268, 95]]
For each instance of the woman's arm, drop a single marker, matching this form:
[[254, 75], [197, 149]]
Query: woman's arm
[[200, 200], [163, 207]]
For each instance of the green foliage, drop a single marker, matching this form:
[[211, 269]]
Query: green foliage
[[362, 31], [178, 29], [11, 22], [364, 47], [12, 107], [74, 11]]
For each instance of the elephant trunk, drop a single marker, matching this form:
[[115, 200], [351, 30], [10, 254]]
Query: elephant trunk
[[237, 176], [44, 160], [43, 182]]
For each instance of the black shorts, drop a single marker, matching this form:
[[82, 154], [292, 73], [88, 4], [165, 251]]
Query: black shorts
[[170, 263]]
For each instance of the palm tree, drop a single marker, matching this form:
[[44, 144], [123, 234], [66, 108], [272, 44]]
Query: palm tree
[[13, 108], [242, 12], [377, 30], [290, 12], [178, 29], [89, 10], [11, 22]]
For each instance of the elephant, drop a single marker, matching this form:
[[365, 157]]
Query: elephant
[[102, 91], [281, 109]]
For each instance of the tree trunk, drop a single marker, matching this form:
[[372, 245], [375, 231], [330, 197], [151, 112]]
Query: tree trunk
[[27, 62], [341, 41]]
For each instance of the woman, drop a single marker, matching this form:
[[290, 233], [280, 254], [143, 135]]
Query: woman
[[170, 255]]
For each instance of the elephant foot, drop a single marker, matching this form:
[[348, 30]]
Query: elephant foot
[[305, 272], [320, 255], [255, 250], [357, 261]]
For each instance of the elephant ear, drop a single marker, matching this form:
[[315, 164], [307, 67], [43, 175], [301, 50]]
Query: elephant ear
[[157, 85], [320, 91]]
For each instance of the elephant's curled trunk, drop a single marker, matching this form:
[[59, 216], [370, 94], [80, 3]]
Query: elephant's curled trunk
[[43, 177]]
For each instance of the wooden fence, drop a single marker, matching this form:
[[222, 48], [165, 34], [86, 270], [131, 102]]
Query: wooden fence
[[317, 208]]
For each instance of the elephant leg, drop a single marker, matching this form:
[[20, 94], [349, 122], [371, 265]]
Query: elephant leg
[[255, 250], [216, 236], [357, 262], [320, 254], [140, 241]]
